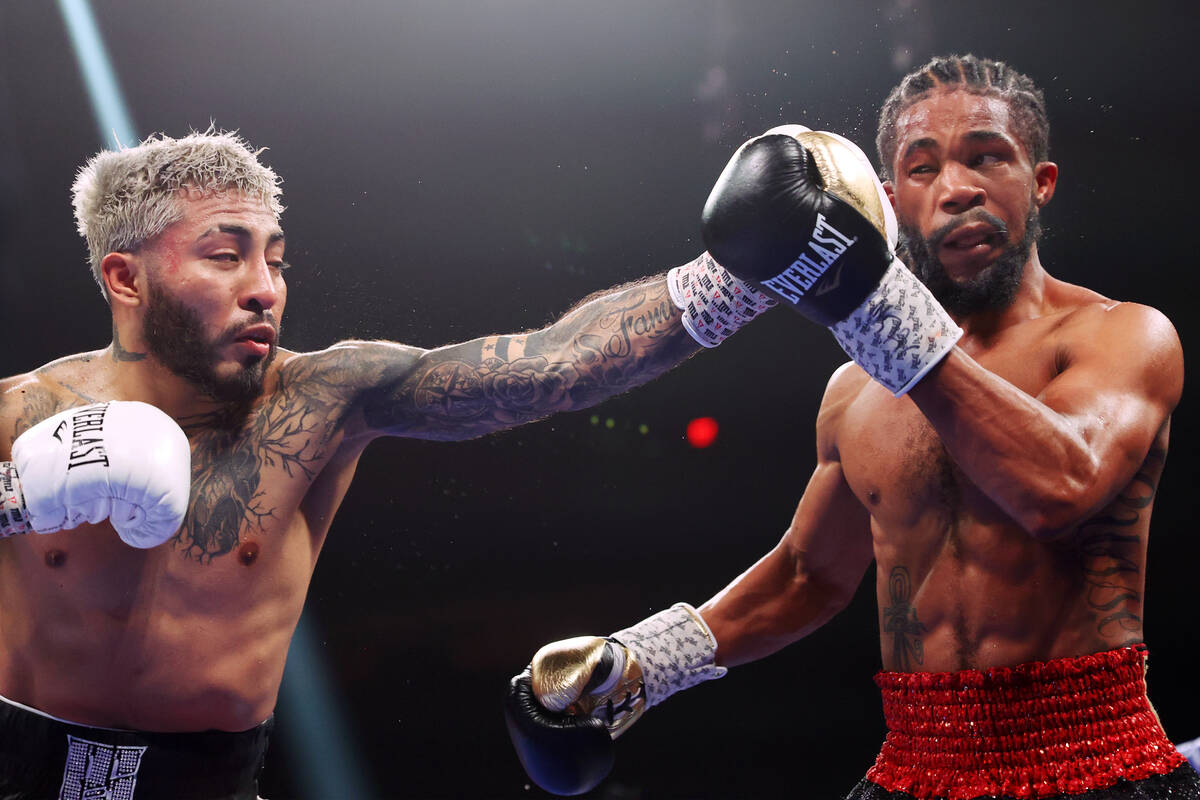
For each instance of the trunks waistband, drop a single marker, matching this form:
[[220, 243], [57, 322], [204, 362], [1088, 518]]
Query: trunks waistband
[[1033, 730], [42, 756]]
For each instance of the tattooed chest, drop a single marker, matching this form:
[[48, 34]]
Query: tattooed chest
[[245, 484]]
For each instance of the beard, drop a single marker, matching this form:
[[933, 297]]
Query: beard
[[994, 288], [174, 335]]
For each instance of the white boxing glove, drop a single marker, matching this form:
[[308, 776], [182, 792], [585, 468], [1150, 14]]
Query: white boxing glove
[[127, 462]]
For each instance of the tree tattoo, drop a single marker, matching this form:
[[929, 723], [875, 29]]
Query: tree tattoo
[[900, 620], [290, 431]]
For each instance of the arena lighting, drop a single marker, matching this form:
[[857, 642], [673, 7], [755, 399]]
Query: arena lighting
[[328, 768], [702, 432], [108, 107]]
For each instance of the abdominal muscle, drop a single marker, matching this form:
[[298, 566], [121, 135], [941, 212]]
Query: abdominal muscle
[[976, 595], [95, 632]]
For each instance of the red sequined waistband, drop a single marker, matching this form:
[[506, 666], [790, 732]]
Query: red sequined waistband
[[1031, 731]]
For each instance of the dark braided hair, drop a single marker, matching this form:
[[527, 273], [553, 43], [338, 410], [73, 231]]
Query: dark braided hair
[[976, 75]]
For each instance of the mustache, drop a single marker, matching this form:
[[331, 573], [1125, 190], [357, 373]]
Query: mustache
[[934, 242], [237, 328]]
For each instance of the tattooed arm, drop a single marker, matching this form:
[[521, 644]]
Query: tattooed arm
[[606, 345]]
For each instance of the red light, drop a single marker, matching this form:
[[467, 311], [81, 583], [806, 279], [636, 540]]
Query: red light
[[702, 431]]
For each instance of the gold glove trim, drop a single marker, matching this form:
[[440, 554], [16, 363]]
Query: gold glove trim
[[845, 175], [561, 671]]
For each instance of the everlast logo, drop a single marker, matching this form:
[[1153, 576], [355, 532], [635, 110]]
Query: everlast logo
[[87, 446], [823, 248]]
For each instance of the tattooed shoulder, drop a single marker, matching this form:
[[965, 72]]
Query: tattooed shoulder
[[291, 432], [26, 400]]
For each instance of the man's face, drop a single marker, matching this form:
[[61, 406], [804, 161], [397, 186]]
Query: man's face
[[967, 199], [215, 295]]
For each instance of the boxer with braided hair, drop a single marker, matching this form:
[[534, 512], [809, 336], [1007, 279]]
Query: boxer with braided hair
[[994, 446], [980, 76]]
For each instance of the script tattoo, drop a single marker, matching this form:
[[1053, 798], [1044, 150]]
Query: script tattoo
[[604, 347], [1109, 550], [290, 432], [900, 620]]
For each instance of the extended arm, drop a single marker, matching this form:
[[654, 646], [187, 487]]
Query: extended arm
[[1053, 460], [608, 344]]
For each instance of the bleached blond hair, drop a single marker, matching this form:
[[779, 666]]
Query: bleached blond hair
[[124, 198]]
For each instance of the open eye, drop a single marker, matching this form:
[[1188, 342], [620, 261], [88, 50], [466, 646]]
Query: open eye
[[986, 159]]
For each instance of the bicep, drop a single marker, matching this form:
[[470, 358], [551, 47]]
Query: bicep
[[1118, 387], [829, 539]]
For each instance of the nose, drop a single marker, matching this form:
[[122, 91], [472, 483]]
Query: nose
[[960, 189], [261, 288]]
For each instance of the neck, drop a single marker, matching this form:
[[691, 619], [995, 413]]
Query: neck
[[138, 375], [1028, 304]]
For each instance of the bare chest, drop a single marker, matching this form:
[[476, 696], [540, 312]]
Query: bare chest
[[894, 460]]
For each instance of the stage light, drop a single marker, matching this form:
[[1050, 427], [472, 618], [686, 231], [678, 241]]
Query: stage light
[[702, 432]]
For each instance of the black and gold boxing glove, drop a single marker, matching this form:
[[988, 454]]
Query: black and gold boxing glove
[[801, 215], [578, 695]]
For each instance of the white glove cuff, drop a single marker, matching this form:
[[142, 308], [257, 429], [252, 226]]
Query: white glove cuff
[[13, 516], [714, 302], [899, 332], [675, 650]]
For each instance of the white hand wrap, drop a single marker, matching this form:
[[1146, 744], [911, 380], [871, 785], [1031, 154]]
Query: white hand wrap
[[714, 303], [899, 332], [13, 516], [675, 650]]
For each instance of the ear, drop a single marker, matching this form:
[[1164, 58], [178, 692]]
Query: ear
[[889, 189], [120, 273], [1045, 177]]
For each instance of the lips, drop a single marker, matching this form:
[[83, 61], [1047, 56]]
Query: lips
[[257, 334], [256, 341], [971, 235]]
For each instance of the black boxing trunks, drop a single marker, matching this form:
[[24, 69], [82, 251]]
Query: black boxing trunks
[[1079, 728], [44, 758]]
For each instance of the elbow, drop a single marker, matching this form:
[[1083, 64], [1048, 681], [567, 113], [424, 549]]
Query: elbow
[[1063, 507], [823, 595]]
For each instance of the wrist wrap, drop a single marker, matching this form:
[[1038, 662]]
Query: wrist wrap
[[714, 302], [13, 518], [899, 332], [675, 650]]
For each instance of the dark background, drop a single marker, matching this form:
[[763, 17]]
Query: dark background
[[454, 169]]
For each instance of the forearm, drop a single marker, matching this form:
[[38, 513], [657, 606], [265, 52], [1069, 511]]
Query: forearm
[[1033, 462], [771, 605], [615, 340], [609, 343]]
